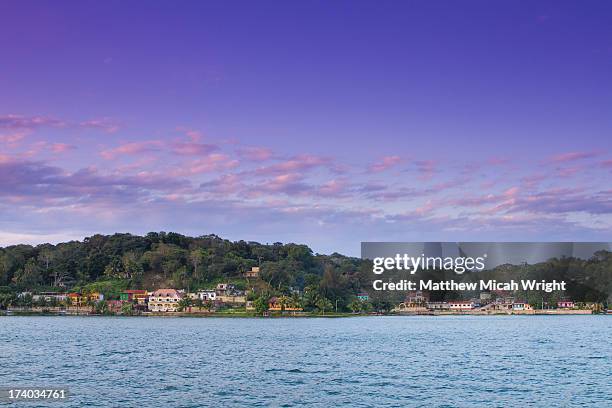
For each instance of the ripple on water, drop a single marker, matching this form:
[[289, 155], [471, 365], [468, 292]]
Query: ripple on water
[[369, 361]]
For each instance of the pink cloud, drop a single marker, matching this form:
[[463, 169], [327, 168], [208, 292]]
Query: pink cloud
[[568, 171], [385, 163], [34, 122], [333, 188], [192, 135], [61, 147], [226, 184], [511, 192], [14, 138], [211, 163], [28, 122], [131, 148], [103, 124], [255, 153], [533, 180], [192, 148], [298, 163], [427, 168], [572, 156]]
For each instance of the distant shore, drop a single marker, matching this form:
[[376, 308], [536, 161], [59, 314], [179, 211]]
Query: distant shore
[[551, 312]]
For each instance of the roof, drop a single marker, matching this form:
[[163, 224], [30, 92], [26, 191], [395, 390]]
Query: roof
[[273, 299], [135, 291], [166, 293]]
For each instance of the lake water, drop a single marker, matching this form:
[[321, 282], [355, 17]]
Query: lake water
[[455, 361]]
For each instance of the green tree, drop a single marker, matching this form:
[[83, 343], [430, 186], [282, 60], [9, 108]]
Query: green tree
[[101, 307], [197, 257], [324, 304], [355, 306], [7, 300], [127, 309], [29, 276], [184, 304], [261, 304]]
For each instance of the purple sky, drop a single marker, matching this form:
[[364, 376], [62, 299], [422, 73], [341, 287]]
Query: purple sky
[[325, 123]]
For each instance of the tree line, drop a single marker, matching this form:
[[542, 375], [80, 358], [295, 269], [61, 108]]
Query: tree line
[[112, 263]]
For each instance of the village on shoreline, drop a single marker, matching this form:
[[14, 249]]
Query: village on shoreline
[[225, 299]]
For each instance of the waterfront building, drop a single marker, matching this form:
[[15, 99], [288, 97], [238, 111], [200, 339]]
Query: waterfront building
[[521, 306], [225, 289], [164, 300], [49, 296], [565, 304], [138, 296], [81, 299], [206, 295], [416, 298], [231, 299], [275, 305], [364, 297], [461, 305], [437, 305]]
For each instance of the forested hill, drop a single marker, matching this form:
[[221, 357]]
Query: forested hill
[[112, 263], [171, 259]]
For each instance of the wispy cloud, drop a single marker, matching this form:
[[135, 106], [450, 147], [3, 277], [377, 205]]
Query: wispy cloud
[[23, 122], [132, 148], [572, 156], [385, 163]]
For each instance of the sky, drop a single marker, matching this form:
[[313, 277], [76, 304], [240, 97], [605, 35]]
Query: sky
[[315, 122]]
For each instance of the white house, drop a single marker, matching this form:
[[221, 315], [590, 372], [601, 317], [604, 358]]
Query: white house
[[437, 305], [206, 295], [521, 306], [461, 305]]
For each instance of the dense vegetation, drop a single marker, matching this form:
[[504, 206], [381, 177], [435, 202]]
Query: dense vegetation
[[112, 263]]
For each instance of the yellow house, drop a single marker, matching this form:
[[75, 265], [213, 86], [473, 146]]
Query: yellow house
[[275, 305], [253, 273], [81, 299]]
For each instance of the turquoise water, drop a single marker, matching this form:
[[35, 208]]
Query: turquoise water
[[455, 361]]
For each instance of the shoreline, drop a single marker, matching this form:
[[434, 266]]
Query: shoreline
[[244, 315]]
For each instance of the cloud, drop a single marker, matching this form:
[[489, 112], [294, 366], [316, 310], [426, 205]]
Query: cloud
[[299, 163], [132, 148], [255, 153], [384, 164], [563, 202], [23, 122], [61, 147], [38, 184], [572, 156], [14, 138], [426, 168], [211, 163], [192, 148], [28, 122]]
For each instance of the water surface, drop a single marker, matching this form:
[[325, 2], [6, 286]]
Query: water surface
[[454, 361]]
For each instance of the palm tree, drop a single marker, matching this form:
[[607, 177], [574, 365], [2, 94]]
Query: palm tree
[[184, 303], [323, 304], [283, 301]]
